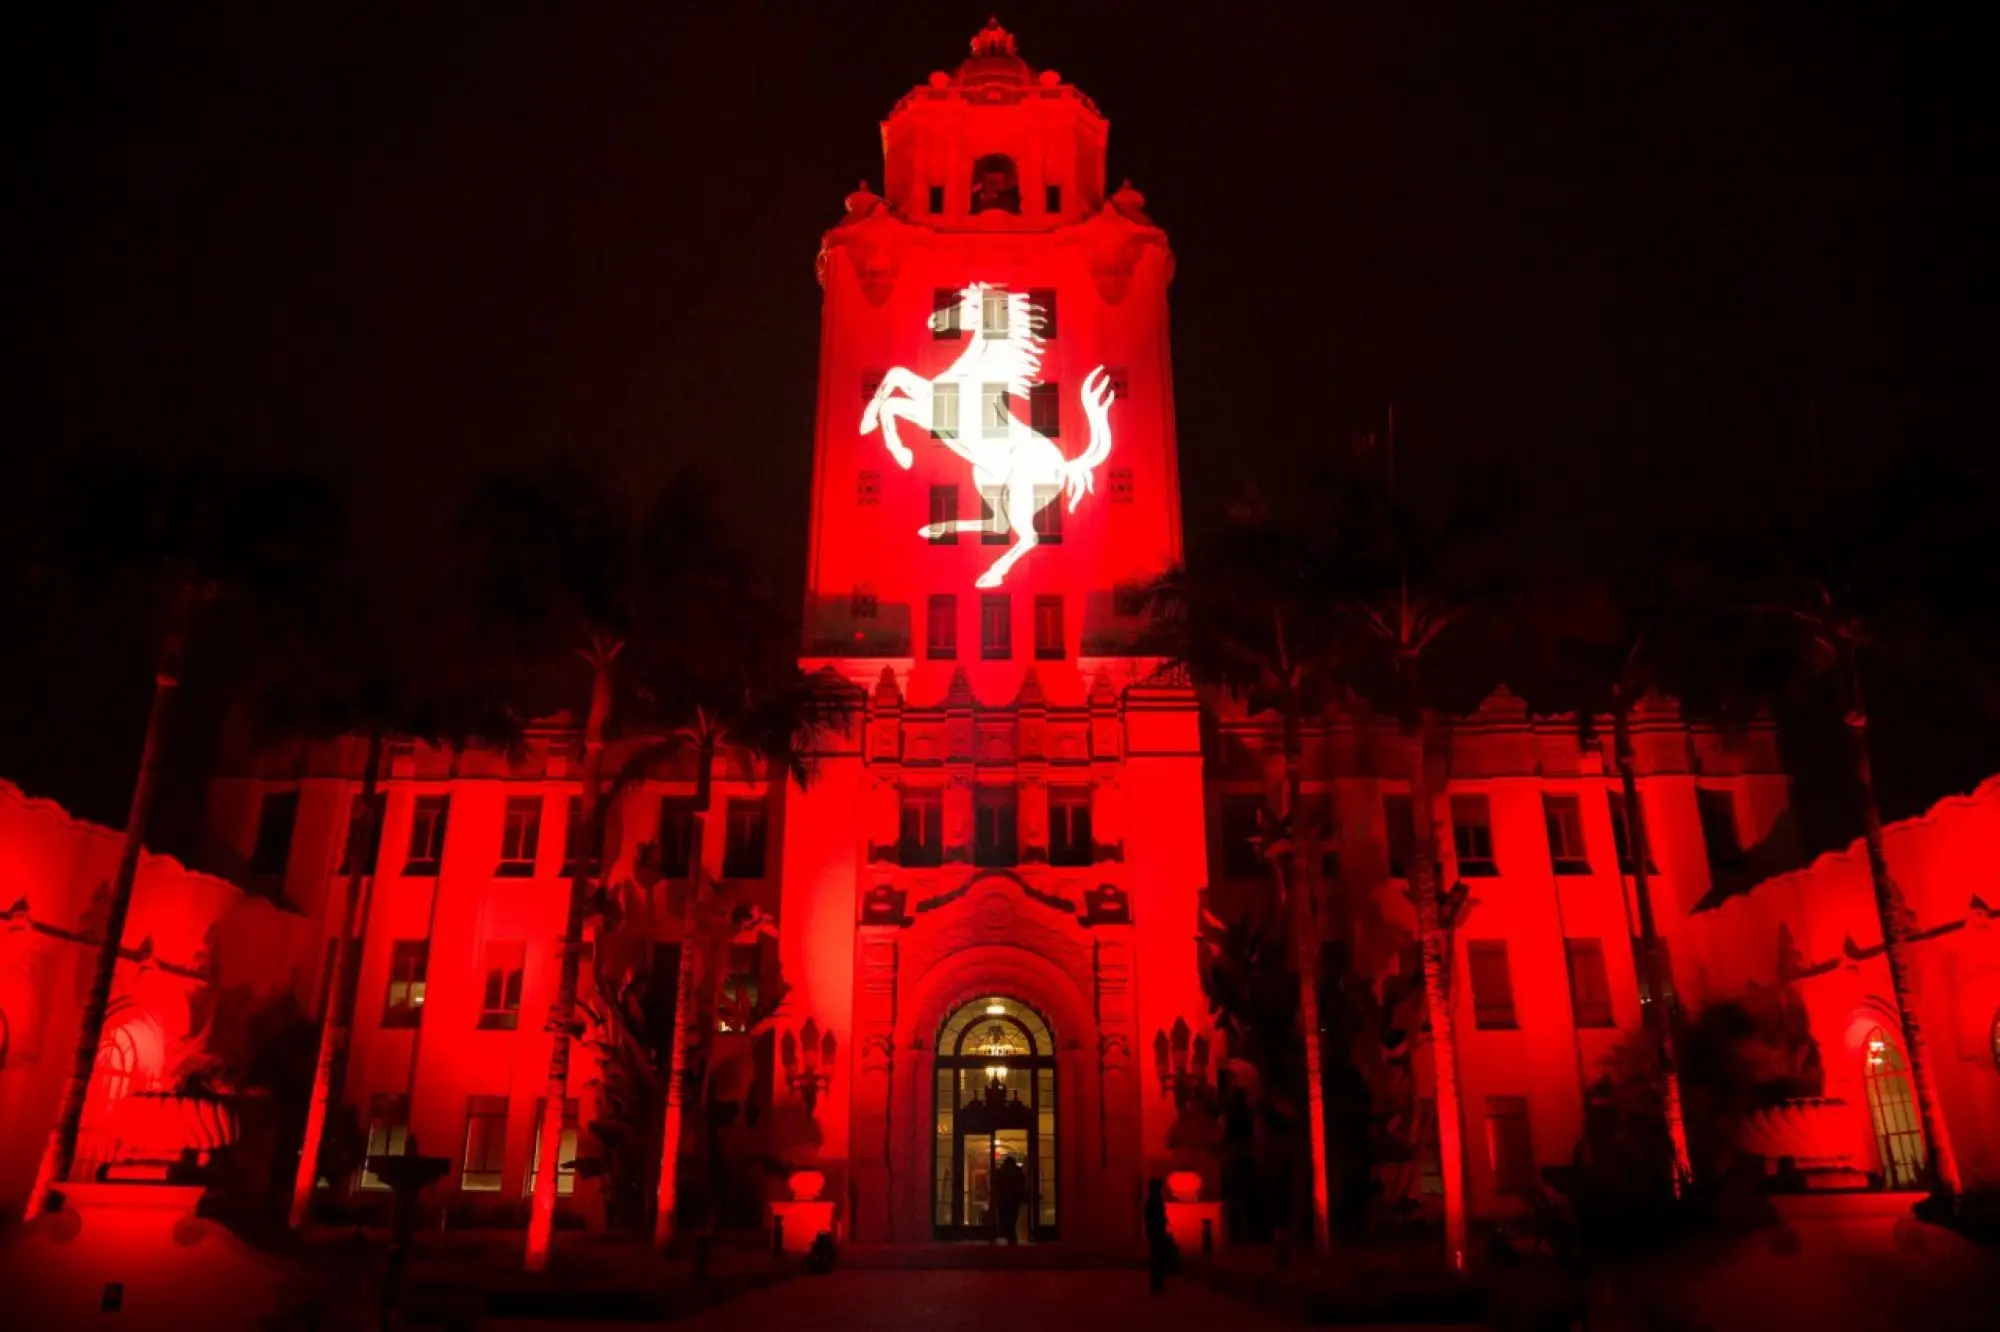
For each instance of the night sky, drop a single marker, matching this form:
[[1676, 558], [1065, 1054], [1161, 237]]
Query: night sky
[[1620, 246]]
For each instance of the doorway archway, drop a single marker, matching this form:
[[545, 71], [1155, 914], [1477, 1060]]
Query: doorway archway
[[995, 1113], [1892, 1111]]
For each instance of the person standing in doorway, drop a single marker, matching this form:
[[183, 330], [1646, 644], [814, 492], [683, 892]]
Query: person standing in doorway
[[1010, 1190]]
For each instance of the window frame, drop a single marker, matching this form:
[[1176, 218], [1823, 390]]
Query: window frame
[[1399, 835], [485, 1127], [1715, 807], [430, 821], [1584, 965], [1565, 857], [996, 626], [1518, 1175], [944, 513], [740, 851], [927, 804], [1051, 642], [999, 805], [1488, 1013], [350, 838], [1071, 838], [408, 979], [946, 309], [942, 393], [520, 844], [679, 812], [1468, 832], [941, 610], [504, 960]]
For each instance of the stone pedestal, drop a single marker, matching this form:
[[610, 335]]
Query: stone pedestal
[[803, 1222], [1185, 1221]]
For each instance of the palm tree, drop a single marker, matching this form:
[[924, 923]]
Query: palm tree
[[1251, 615], [197, 535]]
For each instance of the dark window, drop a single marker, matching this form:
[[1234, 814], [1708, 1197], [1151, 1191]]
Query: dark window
[[922, 819], [871, 384], [994, 819], [1045, 410], [937, 198], [944, 515], [1492, 984], [520, 835], [579, 842], [1622, 841], [1399, 831], [945, 317], [736, 1000], [868, 488], [743, 853], [1049, 628], [1048, 515], [1665, 961], [941, 628], [427, 825], [1069, 825], [676, 836], [862, 602], [1511, 1149], [388, 1132], [1564, 816], [565, 1149], [364, 833], [1052, 198], [1719, 831], [403, 1005], [1242, 832], [996, 413], [504, 961], [485, 1144], [993, 528], [1472, 834], [1589, 984], [944, 411], [1043, 302], [1120, 485], [994, 185], [996, 627], [276, 818]]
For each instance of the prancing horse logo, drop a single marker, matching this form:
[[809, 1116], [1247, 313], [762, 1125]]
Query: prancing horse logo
[[1006, 453]]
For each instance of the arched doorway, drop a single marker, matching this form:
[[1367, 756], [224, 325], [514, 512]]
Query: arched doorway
[[996, 1104], [1892, 1111]]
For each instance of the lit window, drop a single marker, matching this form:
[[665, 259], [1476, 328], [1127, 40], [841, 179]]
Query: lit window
[[276, 818], [1069, 825], [520, 836], [993, 312], [1564, 816], [736, 1003], [922, 828], [485, 1144], [364, 834], [941, 628], [1510, 1146], [1892, 1111], [388, 1133], [1472, 835], [565, 1150], [944, 411], [1049, 628], [1492, 985], [996, 413], [403, 1004], [945, 322], [994, 840], [427, 827], [996, 629], [1589, 984], [504, 963], [743, 851]]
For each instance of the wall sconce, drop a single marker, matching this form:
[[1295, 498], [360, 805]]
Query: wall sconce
[[1182, 1060], [808, 1061]]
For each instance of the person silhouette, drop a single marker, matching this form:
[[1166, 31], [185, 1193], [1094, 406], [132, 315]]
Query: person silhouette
[[1010, 1190]]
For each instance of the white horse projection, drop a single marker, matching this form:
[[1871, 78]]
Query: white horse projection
[[1021, 469]]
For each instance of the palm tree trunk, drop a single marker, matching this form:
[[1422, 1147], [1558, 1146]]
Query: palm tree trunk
[[1660, 1014], [1897, 920], [1437, 960], [338, 1018], [59, 1154], [562, 1009], [1303, 885], [686, 1019]]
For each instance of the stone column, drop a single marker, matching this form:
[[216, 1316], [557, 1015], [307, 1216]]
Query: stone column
[[871, 1152], [1120, 1158]]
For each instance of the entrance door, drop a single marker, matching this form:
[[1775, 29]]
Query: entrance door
[[996, 1124]]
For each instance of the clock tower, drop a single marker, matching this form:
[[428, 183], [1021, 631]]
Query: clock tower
[[990, 895]]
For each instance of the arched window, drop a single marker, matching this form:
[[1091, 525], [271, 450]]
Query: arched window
[[1892, 1110], [995, 184], [995, 1122], [117, 1063]]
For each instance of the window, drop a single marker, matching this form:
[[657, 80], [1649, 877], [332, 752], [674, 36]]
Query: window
[[1042, 304], [1511, 1149], [1045, 410], [1399, 832], [936, 199], [743, 851], [565, 1149], [1048, 515], [1069, 825], [503, 962], [1052, 198], [1049, 628], [403, 1005], [944, 411], [427, 825], [993, 528], [921, 844], [945, 319], [994, 184], [388, 1132], [1589, 985], [1120, 485], [1472, 834], [941, 628], [736, 1001], [996, 628], [485, 1144], [579, 841], [1621, 840], [1718, 830], [994, 843], [862, 602], [276, 818], [1892, 1111], [676, 835], [1664, 960], [944, 515], [993, 313], [871, 384], [1242, 835], [364, 834], [868, 488], [520, 835], [996, 414], [1564, 816], [1492, 985]]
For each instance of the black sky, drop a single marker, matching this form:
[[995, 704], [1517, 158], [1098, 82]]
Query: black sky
[[1618, 245]]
